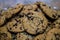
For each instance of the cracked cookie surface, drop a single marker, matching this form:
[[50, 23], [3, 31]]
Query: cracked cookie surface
[[35, 22]]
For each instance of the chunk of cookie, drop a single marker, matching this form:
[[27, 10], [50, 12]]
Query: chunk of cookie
[[9, 13], [15, 25], [47, 10], [35, 22], [53, 34], [40, 37], [24, 36], [4, 34], [30, 7], [50, 26], [2, 20], [57, 23], [58, 13]]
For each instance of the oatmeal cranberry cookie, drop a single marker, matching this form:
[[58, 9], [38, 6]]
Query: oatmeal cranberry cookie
[[34, 22], [15, 25], [53, 34], [40, 37], [24, 36], [9, 13], [47, 10], [4, 34]]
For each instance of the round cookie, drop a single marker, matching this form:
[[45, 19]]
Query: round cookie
[[40, 37], [34, 22], [9, 13], [15, 25], [24, 36], [53, 34], [47, 10], [4, 34], [57, 23]]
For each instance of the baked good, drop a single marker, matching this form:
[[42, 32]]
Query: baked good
[[9, 13], [34, 22], [4, 34], [57, 23], [40, 37], [24, 36], [2, 19], [15, 25], [47, 10], [53, 34]]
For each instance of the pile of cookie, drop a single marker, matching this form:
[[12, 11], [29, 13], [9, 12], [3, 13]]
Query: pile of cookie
[[35, 21]]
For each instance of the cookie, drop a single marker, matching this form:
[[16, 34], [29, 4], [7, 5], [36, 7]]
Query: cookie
[[47, 10], [53, 34], [57, 23], [9, 13], [4, 34], [24, 36], [15, 25], [40, 37], [34, 22]]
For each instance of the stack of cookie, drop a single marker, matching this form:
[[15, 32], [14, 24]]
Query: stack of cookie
[[35, 21]]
